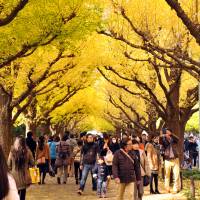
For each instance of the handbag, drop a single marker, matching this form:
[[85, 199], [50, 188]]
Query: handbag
[[35, 174], [109, 157], [146, 180]]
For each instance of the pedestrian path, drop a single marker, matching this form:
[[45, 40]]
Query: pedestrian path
[[52, 191]]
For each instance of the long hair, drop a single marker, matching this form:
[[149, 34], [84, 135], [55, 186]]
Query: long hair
[[4, 184], [41, 143], [19, 152]]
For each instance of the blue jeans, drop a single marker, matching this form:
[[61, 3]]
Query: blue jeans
[[101, 186], [85, 172]]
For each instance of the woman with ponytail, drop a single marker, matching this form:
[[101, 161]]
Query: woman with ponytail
[[19, 161]]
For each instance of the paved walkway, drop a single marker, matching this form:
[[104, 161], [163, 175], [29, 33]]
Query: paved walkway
[[52, 191]]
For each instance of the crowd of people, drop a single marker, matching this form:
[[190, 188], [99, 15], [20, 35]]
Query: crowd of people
[[132, 162]]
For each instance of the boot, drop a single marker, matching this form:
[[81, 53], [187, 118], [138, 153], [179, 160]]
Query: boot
[[58, 180], [152, 191], [157, 192], [43, 177]]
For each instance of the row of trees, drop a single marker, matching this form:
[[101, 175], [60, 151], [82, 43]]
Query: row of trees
[[159, 65], [40, 46], [83, 64]]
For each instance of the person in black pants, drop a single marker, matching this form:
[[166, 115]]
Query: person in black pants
[[192, 147], [153, 156]]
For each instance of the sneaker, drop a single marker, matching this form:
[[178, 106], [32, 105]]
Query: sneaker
[[80, 192]]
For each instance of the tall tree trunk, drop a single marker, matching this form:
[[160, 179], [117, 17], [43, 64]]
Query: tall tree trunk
[[30, 114], [45, 127], [173, 112], [58, 129], [5, 121], [31, 126]]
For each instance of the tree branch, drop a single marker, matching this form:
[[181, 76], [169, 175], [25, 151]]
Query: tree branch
[[11, 16], [191, 26], [32, 84]]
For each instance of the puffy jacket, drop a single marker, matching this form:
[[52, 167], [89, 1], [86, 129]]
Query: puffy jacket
[[101, 170], [64, 148], [124, 169]]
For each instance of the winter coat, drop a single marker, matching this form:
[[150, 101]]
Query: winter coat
[[166, 145], [192, 147], [43, 153], [153, 156], [144, 164], [89, 153], [13, 192], [124, 169], [31, 145], [63, 148], [22, 177], [102, 171]]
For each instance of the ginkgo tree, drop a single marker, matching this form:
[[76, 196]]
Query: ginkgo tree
[[156, 66], [35, 47]]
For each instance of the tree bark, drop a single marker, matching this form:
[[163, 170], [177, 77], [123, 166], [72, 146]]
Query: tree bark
[[173, 111], [5, 121], [31, 126], [191, 26], [45, 127]]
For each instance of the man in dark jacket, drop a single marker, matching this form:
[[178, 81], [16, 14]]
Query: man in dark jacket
[[88, 160], [169, 144], [126, 170], [31, 143], [192, 148]]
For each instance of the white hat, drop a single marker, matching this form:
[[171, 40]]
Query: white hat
[[144, 133], [191, 135]]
